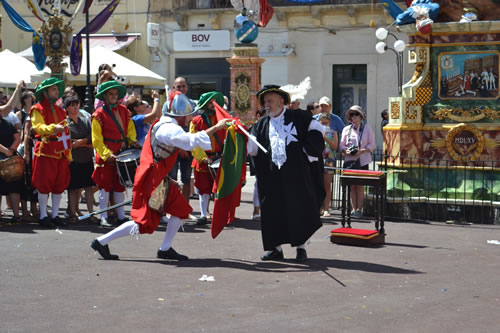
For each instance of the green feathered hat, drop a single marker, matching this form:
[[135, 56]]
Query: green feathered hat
[[48, 83], [219, 98], [101, 90]]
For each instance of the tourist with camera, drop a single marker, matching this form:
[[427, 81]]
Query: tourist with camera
[[357, 143]]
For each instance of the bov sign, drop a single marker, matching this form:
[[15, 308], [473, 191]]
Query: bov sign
[[202, 40]]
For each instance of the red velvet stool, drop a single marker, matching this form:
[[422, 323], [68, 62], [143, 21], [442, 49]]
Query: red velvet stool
[[361, 237]]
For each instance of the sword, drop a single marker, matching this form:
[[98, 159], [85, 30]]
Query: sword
[[104, 210], [252, 138]]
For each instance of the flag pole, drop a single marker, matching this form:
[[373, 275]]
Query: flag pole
[[88, 93]]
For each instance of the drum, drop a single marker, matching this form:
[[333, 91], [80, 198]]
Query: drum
[[11, 168], [126, 164], [214, 166]]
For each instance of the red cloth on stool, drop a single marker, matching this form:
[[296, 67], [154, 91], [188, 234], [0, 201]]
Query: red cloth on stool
[[50, 175], [147, 178], [106, 177]]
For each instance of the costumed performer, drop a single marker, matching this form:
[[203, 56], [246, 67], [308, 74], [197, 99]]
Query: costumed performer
[[290, 176], [203, 179], [159, 153], [52, 152], [112, 131]]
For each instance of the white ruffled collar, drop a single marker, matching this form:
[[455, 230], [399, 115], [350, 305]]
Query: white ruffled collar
[[280, 136]]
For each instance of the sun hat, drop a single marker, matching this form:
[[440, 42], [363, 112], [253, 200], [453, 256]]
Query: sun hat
[[48, 83], [352, 109], [204, 98], [101, 90]]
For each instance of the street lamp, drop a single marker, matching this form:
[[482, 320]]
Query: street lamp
[[399, 46]]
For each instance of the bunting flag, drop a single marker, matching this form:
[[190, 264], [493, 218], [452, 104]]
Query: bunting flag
[[35, 9], [37, 42], [266, 13], [94, 26], [80, 9], [230, 175]]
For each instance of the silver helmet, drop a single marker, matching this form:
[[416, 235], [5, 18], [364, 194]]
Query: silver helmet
[[180, 106]]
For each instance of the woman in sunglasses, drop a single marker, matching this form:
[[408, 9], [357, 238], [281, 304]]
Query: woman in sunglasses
[[357, 143]]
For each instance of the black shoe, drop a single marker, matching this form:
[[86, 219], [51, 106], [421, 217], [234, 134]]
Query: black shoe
[[121, 221], [46, 222], [273, 255], [171, 254], [59, 222], [202, 221], [301, 255], [103, 250]]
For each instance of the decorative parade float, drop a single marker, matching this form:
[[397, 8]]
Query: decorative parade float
[[444, 129]]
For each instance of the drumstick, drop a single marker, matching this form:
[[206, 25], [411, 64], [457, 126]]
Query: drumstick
[[251, 137]]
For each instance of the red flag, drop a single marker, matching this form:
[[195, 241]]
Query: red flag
[[266, 13], [230, 175]]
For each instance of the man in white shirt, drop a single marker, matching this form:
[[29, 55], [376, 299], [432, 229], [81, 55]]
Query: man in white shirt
[[159, 153]]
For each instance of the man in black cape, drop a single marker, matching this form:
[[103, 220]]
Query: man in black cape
[[289, 176]]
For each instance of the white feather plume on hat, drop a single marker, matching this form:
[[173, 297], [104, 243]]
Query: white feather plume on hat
[[298, 91]]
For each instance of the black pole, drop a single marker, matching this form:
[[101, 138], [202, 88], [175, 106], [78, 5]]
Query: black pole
[[88, 93]]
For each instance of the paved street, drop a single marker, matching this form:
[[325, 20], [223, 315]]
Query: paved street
[[427, 278]]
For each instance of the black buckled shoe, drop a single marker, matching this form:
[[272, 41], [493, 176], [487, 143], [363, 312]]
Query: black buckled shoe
[[46, 222], [272, 255], [103, 250], [171, 254], [301, 255], [202, 221], [59, 222]]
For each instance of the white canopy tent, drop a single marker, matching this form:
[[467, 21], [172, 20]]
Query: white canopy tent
[[131, 72], [15, 68]]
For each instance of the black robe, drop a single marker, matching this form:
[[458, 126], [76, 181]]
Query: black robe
[[290, 197]]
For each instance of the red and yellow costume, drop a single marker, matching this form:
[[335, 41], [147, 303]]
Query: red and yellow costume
[[148, 176], [203, 180], [107, 140], [52, 150]]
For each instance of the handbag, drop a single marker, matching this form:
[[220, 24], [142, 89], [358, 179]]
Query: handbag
[[352, 164], [159, 196]]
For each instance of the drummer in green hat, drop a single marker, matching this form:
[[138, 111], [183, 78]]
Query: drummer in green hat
[[52, 150], [112, 131], [203, 179]]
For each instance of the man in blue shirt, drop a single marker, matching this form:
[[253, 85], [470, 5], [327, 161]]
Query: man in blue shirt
[[336, 123], [185, 158]]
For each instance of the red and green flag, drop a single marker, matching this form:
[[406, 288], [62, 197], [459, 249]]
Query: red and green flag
[[230, 176]]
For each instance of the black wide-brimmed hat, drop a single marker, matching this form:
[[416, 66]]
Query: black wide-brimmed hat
[[272, 88]]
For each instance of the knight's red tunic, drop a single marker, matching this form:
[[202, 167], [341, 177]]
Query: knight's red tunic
[[107, 140], [147, 178], [203, 180], [52, 150]]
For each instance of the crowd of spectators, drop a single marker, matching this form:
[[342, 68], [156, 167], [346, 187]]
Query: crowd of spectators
[[353, 139]]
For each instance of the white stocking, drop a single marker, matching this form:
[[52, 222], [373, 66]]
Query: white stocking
[[42, 201], [56, 200], [103, 202], [204, 200], [119, 197], [126, 229], [173, 225]]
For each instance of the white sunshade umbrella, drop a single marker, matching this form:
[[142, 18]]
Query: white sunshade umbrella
[[15, 68], [130, 71]]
